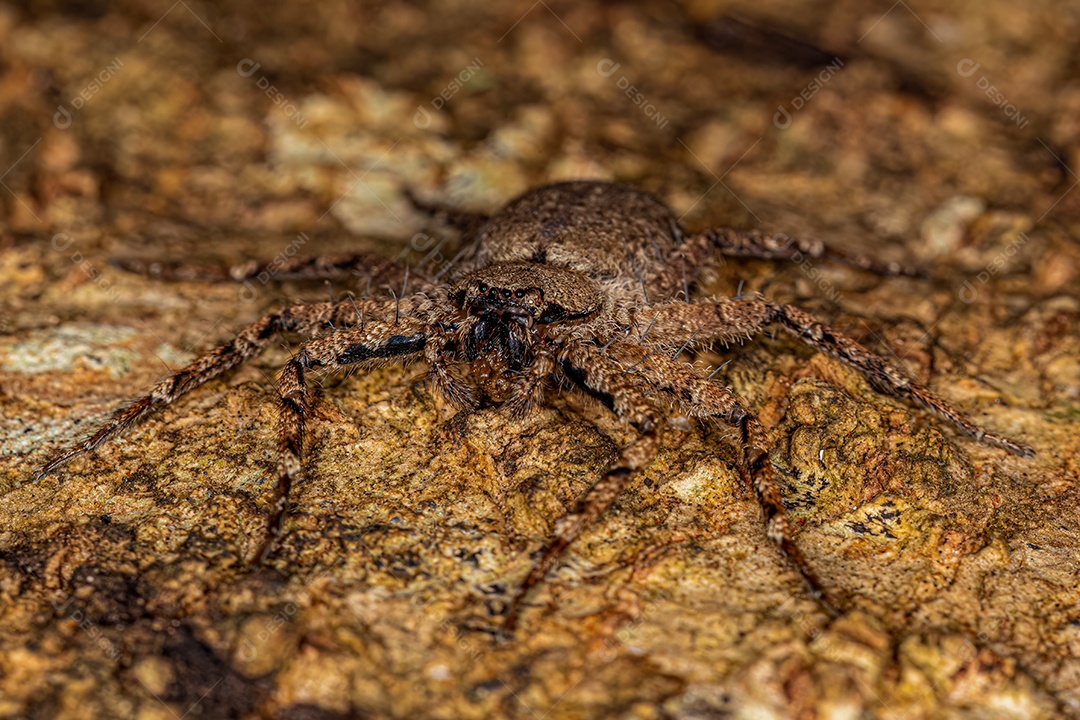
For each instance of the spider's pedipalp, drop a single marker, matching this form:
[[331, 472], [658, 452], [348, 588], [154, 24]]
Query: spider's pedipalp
[[529, 392], [440, 356]]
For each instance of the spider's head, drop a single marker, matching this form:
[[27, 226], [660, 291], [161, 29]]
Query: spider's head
[[510, 304], [526, 292]]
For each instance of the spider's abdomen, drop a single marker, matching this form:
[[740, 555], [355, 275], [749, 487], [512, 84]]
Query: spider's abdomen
[[602, 229]]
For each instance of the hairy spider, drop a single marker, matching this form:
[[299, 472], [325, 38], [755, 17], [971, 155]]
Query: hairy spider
[[576, 281]]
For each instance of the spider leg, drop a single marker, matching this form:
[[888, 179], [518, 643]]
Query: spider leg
[[248, 343], [589, 369], [440, 354], [699, 249], [464, 221], [323, 267], [757, 244], [377, 341], [701, 398], [725, 320]]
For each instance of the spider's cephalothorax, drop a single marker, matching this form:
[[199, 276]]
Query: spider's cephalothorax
[[586, 283], [509, 308]]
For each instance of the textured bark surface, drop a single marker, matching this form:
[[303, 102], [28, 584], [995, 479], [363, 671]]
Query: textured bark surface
[[939, 134]]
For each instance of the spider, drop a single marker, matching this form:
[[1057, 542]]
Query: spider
[[587, 283]]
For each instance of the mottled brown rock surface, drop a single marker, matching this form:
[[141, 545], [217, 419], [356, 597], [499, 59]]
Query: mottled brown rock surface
[[147, 130]]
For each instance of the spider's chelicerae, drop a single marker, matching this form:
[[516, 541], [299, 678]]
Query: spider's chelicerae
[[586, 283]]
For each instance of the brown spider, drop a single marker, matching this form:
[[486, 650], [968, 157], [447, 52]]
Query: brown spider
[[577, 281]]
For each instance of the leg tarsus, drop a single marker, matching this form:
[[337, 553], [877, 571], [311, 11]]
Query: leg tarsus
[[727, 320]]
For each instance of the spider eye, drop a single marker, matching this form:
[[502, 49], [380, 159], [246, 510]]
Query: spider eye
[[519, 293], [482, 288]]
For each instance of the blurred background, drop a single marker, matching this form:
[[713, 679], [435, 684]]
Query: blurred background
[[941, 134]]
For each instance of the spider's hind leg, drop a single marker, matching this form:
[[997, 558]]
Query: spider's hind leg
[[378, 270], [780, 246], [679, 272]]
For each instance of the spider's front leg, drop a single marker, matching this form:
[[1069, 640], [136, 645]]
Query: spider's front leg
[[726, 320], [377, 341], [248, 343], [600, 377]]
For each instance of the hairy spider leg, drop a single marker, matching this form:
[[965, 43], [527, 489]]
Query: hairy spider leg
[[587, 368], [724, 320], [759, 244], [378, 341], [248, 343], [698, 250], [703, 399]]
